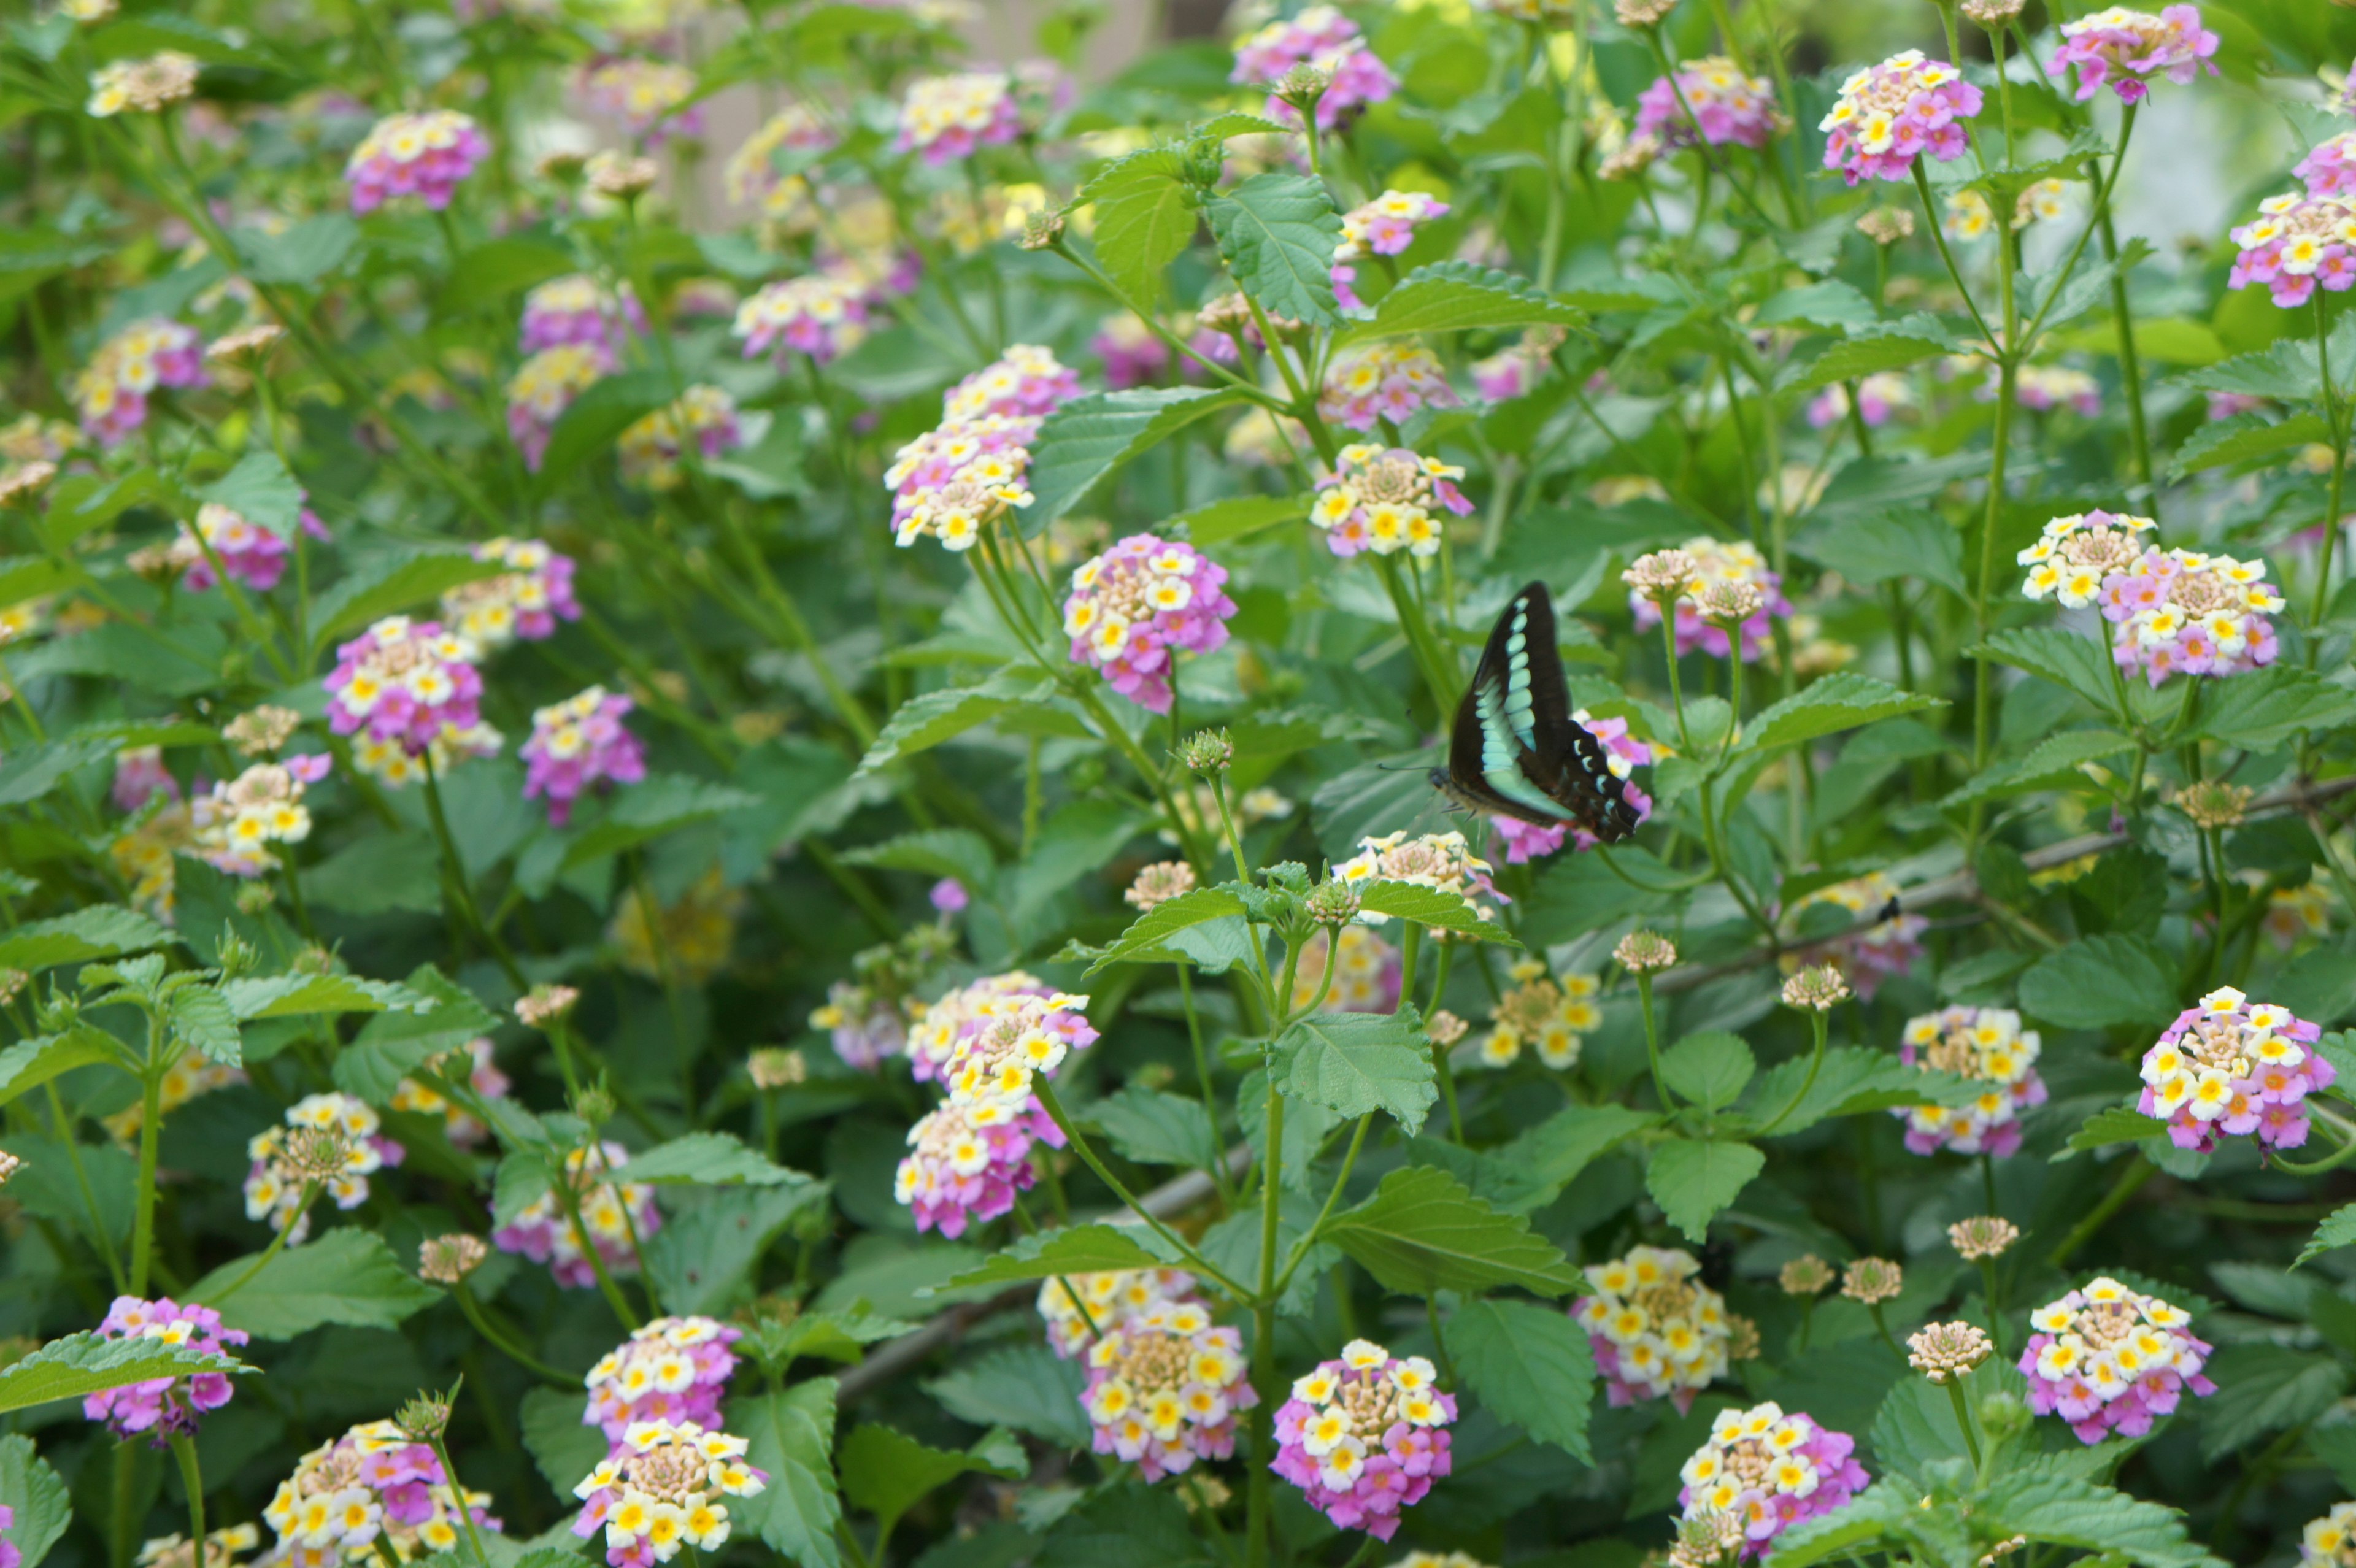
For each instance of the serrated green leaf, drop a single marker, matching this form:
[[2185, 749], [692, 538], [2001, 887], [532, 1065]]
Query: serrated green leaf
[[259, 490], [1278, 232], [1531, 1366], [1844, 700], [1090, 436], [790, 1435], [1355, 1063], [1145, 218], [1154, 1128], [886, 1472], [29, 1063], [2076, 1513], [1424, 1232], [2114, 1124], [31, 1491], [1694, 1182], [2075, 663], [400, 582], [2338, 1230], [923, 722], [559, 1442], [288, 995], [2100, 981], [2264, 711], [660, 804], [1431, 906], [1709, 1069], [101, 931], [708, 1160], [1460, 296], [1893, 346], [1142, 942], [392, 1045], [347, 1275], [82, 1364], [958, 852], [2265, 1388], [2240, 438], [1026, 1387], [1075, 1249]]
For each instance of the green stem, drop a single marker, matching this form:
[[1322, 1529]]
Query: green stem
[[192, 1481], [501, 1342], [458, 1500], [1652, 1041], [1341, 1183], [1821, 1023], [1964, 1418], [1264, 1378], [2136, 1172], [1054, 1106], [151, 1128], [2333, 420], [455, 875], [277, 1241], [1217, 1170], [569, 1201]]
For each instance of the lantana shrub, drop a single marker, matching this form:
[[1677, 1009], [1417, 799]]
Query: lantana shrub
[[862, 785]]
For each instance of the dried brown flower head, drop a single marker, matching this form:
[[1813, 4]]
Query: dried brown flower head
[[23, 481], [621, 175]]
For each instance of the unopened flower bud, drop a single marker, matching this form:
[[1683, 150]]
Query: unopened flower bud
[[1983, 1236], [1209, 751], [774, 1067], [1994, 14], [622, 175], [2213, 804], [1887, 225], [1872, 1280], [1817, 988], [594, 1105], [1445, 1027], [1806, 1274], [234, 955], [1041, 232], [1159, 883], [447, 1260], [1302, 86], [1943, 1350], [1334, 902], [1664, 576], [1729, 604], [9, 1166], [255, 897], [2004, 1414], [544, 1005], [1642, 951], [22, 481], [1714, 1538], [424, 1418]]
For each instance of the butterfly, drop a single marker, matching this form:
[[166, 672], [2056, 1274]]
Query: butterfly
[[1514, 750]]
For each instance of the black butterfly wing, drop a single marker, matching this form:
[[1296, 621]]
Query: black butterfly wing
[[1515, 749]]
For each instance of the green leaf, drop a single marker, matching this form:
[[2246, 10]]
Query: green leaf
[[1075, 1249], [1543, 1160], [1127, 1525], [397, 583], [29, 1063], [1027, 1387], [2242, 438], [82, 1364], [2116, 1125], [100, 930], [488, 273], [1852, 1081], [1145, 218], [31, 1491], [1531, 1366], [347, 1275], [259, 490], [1693, 1182], [2338, 1230], [887, 1472], [2100, 981], [1353, 1064], [302, 254], [2264, 1389], [1154, 1128], [590, 423], [202, 1020], [1709, 1069], [1277, 234], [1089, 437], [2286, 371], [1422, 1232], [1889, 346], [2055, 760], [789, 1435], [1888, 546], [290, 995], [1841, 701], [1458, 296], [564, 1447], [1142, 942], [709, 1160], [1429, 906], [707, 1251], [382, 872], [2264, 709], [392, 1045], [663, 803], [958, 852], [840, 1336], [2066, 1511], [923, 722], [2072, 662], [1234, 517], [35, 577]]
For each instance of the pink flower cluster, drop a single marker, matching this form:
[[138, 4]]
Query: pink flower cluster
[[2329, 170], [1769, 1470], [1658, 1331], [1365, 1436], [1137, 602], [2126, 48], [1889, 114], [1320, 35], [2179, 611], [1719, 561], [1511, 372], [544, 386], [1164, 1388], [11, 1554], [1392, 380], [526, 601], [1385, 499], [953, 482], [165, 1407], [1727, 106], [645, 95], [946, 117], [1527, 841], [578, 744], [1383, 227], [2110, 1358], [424, 155], [1025, 382], [617, 1214], [1076, 1307], [2296, 243], [405, 682], [255, 556], [1878, 395], [579, 309], [2230, 1067], [864, 1027], [371, 1491], [820, 314], [110, 395], [140, 775], [659, 1492], [1988, 1046], [1129, 352], [673, 1369], [965, 1163]]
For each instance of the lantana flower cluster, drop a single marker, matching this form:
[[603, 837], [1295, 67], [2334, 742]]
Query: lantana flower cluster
[[1319, 36], [254, 555], [1385, 499], [995, 1061], [966, 1164], [1383, 227], [1390, 380], [1658, 1331], [525, 602], [1622, 753], [952, 482], [1026, 381], [110, 395], [1443, 862], [334, 1141], [579, 309], [1769, 1470], [2329, 1541], [1070, 1303], [2123, 50], [1889, 946], [752, 176], [2109, 1358], [651, 450], [1986, 1045], [821, 314], [663, 1490], [424, 155], [578, 745], [237, 821], [407, 687], [674, 1368], [544, 386], [1889, 114], [940, 1032], [1364, 1435], [2184, 611], [1711, 100], [1879, 397], [946, 117], [2230, 1067], [1511, 372], [2328, 169], [371, 1489], [165, 1408], [2074, 555], [645, 95], [1133, 606], [618, 1214], [1551, 1017], [1165, 1387], [1715, 561], [2296, 244]]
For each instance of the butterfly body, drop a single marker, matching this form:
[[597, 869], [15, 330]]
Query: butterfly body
[[1514, 750]]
